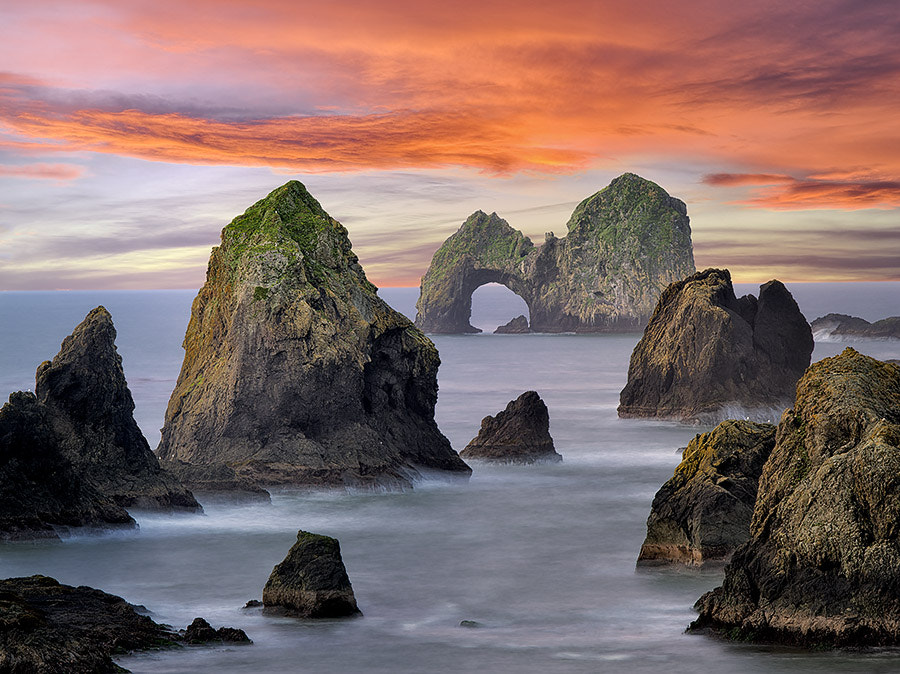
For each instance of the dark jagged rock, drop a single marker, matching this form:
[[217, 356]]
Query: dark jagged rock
[[295, 371], [822, 566], [707, 355], [841, 327], [41, 493], [703, 513], [311, 581], [201, 632], [518, 434], [624, 245], [517, 326], [49, 628], [90, 407]]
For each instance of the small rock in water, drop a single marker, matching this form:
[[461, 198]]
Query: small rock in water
[[253, 603], [201, 632], [518, 434], [470, 623]]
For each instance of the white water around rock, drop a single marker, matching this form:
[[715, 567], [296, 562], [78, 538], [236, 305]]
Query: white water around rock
[[541, 557]]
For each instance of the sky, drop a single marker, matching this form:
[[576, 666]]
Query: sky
[[132, 131]]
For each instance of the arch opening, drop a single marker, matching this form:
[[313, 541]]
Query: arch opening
[[494, 304]]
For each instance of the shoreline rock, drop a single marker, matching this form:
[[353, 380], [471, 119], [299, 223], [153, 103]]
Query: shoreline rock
[[708, 355], [702, 514], [518, 434], [623, 246], [841, 327], [822, 564]]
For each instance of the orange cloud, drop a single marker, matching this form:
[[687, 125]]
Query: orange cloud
[[59, 172], [787, 193]]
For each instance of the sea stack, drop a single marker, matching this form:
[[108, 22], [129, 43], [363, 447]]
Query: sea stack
[[702, 514], [841, 327], [623, 246], [518, 434], [295, 371], [311, 581], [822, 565], [707, 355]]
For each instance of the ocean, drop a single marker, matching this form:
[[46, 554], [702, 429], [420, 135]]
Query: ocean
[[541, 557]]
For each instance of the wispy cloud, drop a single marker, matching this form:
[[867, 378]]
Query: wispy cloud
[[58, 172]]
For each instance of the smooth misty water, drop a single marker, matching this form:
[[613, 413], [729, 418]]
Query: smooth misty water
[[542, 556]]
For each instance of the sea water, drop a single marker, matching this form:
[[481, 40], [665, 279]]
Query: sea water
[[541, 557]]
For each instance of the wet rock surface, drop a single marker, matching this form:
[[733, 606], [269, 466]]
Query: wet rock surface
[[822, 566], [702, 514], [623, 246], [707, 355], [312, 581], [295, 371], [518, 434]]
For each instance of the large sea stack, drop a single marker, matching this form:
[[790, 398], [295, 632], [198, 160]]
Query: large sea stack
[[295, 371], [702, 514], [822, 566], [518, 434], [624, 245], [708, 355]]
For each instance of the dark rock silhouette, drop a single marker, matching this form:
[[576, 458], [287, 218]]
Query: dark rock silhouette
[[822, 565], [624, 245], [311, 581], [839, 327], [518, 434], [295, 371], [516, 326], [707, 355], [702, 514], [201, 632]]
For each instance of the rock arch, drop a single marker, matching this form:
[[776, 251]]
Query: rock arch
[[624, 245]]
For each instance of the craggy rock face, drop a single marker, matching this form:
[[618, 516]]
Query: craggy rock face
[[311, 581], [822, 567], [706, 354], [703, 513], [518, 434], [624, 245], [295, 371]]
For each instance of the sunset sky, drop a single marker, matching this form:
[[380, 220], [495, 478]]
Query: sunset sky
[[132, 131]]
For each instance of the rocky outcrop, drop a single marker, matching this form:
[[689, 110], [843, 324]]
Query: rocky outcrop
[[201, 632], [48, 628], [624, 245], [841, 327], [295, 371], [517, 326], [311, 581], [518, 434], [86, 397], [822, 566], [703, 513], [41, 492], [707, 355]]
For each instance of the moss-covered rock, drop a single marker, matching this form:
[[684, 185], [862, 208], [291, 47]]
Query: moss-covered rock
[[295, 371], [822, 566], [624, 245]]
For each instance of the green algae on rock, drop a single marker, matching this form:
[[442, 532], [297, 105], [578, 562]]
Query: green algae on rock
[[707, 355], [822, 566], [295, 371], [624, 245], [702, 514]]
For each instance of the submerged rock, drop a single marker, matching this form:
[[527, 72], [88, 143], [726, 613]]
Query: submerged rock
[[49, 628], [706, 354], [702, 514], [822, 565], [518, 434], [517, 326], [624, 245], [841, 327], [311, 581], [295, 371]]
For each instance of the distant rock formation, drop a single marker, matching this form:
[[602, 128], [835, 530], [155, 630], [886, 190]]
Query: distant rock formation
[[841, 327], [624, 245], [703, 513], [822, 565], [517, 326], [48, 628], [295, 371], [311, 581], [707, 355], [201, 632], [518, 434]]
